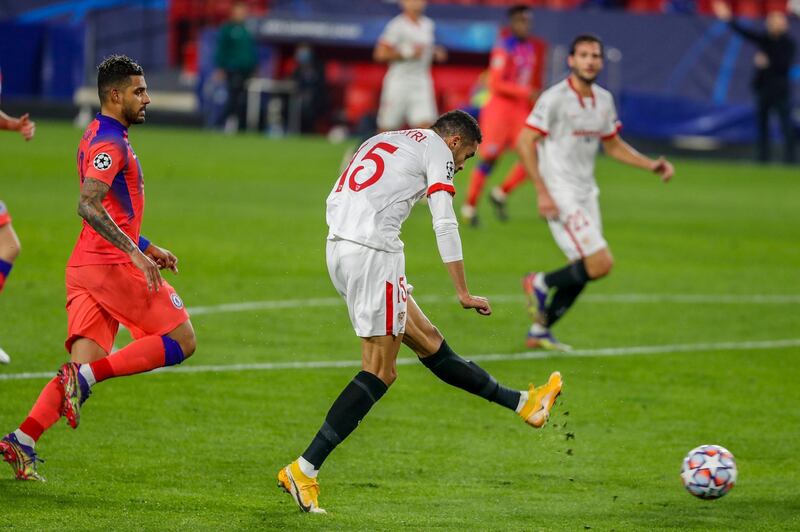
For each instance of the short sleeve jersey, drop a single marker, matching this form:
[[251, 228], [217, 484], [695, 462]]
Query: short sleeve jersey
[[573, 127], [105, 154], [389, 173], [406, 35]]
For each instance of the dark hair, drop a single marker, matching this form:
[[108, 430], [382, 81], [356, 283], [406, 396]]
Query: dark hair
[[516, 9], [458, 123], [586, 37], [115, 72]]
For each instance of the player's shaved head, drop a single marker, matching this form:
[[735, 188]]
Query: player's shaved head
[[115, 73], [458, 123]]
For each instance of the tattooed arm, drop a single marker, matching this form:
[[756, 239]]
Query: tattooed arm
[[90, 208]]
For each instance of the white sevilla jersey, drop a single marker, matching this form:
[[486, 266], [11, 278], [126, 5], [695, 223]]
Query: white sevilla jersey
[[572, 127], [388, 174], [406, 36]]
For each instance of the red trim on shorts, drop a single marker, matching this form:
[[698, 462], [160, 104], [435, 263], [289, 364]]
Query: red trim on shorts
[[536, 129], [389, 309], [615, 133], [436, 187], [574, 240]]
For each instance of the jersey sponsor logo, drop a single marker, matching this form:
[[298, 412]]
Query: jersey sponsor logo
[[451, 170], [587, 133], [177, 302], [102, 161]]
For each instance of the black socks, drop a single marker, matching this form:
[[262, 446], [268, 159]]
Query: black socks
[[470, 377], [561, 301], [345, 414], [570, 275]]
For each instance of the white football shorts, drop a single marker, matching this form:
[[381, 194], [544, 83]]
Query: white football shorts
[[408, 103], [578, 231], [373, 284]]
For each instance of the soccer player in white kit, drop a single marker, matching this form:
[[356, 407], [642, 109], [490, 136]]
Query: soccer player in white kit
[[407, 44], [365, 210], [558, 149]]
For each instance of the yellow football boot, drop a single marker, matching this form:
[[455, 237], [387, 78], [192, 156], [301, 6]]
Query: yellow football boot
[[304, 490], [536, 410]]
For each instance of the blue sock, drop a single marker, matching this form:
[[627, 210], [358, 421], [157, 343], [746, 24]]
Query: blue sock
[[5, 270], [173, 354]]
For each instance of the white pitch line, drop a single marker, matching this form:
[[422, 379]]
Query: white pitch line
[[496, 357], [755, 299]]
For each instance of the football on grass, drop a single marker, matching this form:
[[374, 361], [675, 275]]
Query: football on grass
[[709, 471]]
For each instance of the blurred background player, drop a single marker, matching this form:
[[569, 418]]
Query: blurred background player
[[9, 243], [113, 274], [516, 69], [772, 78], [408, 45], [365, 210], [558, 148], [236, 58]]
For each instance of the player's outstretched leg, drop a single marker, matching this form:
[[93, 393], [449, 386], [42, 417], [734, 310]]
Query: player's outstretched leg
[[142, 355], [9, 250], [17, 447], [533, 406], [299, 478]]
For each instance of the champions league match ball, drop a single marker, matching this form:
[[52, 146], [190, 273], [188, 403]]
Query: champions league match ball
[[709, 471]]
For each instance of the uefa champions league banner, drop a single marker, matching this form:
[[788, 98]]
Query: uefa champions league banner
[[463, 36], [692, 73]]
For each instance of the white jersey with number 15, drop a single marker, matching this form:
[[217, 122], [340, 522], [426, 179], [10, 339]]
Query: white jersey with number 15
[[389, 173]]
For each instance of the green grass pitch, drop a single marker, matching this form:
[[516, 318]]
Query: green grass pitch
[[245, 215]]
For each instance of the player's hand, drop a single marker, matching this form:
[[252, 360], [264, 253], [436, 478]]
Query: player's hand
[[149, 268], [26, 127], [663, 169], [722, 10], [480, 304], [439, 54], [547, 207], [163, 257]]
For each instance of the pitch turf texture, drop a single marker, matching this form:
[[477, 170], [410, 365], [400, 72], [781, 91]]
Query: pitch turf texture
[[245, 215]]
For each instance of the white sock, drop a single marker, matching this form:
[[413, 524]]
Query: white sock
[[539, 283], [307, 468], [538, 328], [498, 194], [86, 371], [523, 398], [24, 439]]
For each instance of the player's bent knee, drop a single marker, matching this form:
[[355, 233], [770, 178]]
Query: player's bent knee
[[599, 265], [188, 345]]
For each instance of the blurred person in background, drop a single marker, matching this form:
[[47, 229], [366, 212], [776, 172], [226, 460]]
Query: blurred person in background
[[558, 147], [773, 61], [9, 243], [407, 45], [309, 76], [236, 58], [515, 80]]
